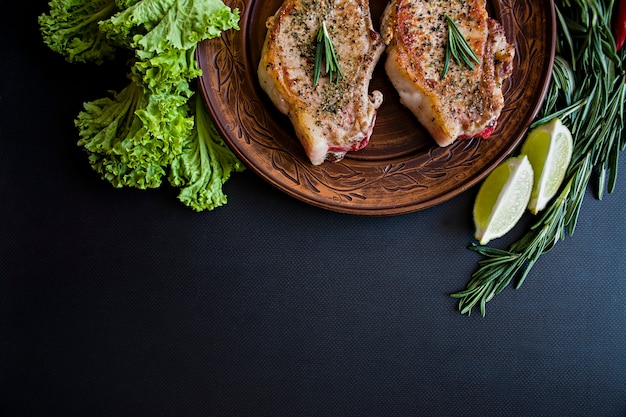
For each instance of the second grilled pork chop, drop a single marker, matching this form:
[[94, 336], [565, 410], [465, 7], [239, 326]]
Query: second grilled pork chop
[[330, 118], [465, 103]]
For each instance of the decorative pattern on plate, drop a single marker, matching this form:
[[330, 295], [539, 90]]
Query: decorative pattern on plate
[[401, 170]]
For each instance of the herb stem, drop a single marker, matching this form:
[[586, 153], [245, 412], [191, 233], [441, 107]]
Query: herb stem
[[458, 48], [325, 52]]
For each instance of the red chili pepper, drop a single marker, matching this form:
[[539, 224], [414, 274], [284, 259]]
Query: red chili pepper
[[619, 24]]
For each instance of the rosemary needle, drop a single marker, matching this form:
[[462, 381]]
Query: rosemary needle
[[325, 51], [457, 48]]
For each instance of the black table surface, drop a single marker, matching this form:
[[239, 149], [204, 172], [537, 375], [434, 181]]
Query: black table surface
[[121, 302]]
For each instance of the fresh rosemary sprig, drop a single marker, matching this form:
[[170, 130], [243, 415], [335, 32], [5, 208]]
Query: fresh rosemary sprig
[[325, 52], [457, 48], [587, 92]]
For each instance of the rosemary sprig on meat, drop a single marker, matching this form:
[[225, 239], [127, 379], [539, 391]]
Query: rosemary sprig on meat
[[587, 92], [325, 52], [457, 48]]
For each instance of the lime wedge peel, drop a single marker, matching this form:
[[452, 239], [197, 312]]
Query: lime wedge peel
[[502, 198], [549, 149]]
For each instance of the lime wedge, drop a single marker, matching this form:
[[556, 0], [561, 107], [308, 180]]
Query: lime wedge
[[549, 150], [502, 198]]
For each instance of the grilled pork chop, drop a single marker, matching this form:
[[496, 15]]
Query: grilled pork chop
[[331, 117], [465, 103]]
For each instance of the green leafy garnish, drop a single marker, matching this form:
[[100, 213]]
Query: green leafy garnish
[[204, 164], [588, 93], [148, 130], [134, 135], [71, 28], [457, 48], [325, 52]]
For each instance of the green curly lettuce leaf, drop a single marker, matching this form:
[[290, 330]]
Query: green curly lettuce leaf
[[205, 164], [156, 26], [169, 72], [132, 137], [71, 28]]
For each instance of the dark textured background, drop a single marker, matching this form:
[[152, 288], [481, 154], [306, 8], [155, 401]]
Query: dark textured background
[[126, 303]]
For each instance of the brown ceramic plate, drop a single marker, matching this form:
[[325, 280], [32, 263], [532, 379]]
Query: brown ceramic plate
[[401, 170]]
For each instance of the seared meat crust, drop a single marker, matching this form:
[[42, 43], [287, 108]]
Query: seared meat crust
[[330, 119], [465, 103]]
